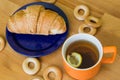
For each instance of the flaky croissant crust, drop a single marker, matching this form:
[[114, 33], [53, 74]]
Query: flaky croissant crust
[[36, 20]]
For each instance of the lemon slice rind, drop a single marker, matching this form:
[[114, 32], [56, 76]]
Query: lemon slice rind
[[75, 59]]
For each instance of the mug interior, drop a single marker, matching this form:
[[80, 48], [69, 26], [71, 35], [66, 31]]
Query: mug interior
[[88, 38]]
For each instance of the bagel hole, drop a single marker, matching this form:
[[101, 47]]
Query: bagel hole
[[51, 76], [86, 29], [92, 21], [81, 11], [31, 65]]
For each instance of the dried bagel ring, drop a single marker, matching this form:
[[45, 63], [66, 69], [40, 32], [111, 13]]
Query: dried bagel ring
[[38, 78], [49, 1], [85, 12], [26, 67], [2, 43], [93, 21], [83, 27], [53, 69]]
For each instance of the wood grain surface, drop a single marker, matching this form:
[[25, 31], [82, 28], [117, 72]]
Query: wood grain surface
[[108, 34]]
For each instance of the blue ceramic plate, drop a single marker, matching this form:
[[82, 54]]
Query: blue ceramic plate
[[37, 45]]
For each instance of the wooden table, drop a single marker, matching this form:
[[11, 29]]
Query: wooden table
[[11, 61]]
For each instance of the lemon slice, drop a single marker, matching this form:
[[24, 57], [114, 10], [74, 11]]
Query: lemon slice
[[75, 59]]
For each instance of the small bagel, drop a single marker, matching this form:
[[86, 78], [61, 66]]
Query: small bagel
[[53, 69], [91, 31], [2, 43], [85, 14], [93, 21], [38, 78], [49, 1], [27, 69]]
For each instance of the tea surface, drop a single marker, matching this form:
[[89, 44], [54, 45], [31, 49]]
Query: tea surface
[[88, 51]]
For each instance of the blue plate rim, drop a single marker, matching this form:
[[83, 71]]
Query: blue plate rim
[[55, 46]]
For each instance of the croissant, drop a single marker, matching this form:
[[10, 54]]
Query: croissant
[[36, 19]]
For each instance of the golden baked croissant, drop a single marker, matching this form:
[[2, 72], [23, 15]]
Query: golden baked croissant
[[36, 20]]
